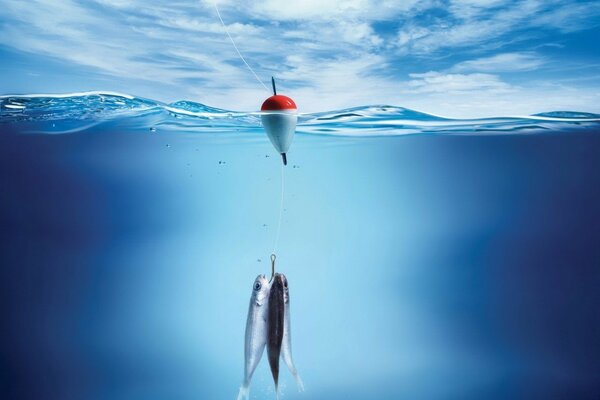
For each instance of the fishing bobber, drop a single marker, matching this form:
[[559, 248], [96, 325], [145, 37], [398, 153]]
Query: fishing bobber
[[279, 116]]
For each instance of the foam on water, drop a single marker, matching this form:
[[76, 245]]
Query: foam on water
[[67, 113]]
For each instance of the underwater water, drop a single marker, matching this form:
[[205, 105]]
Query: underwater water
[[428, 258]]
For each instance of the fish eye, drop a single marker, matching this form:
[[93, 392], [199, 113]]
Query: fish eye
[[285, 283], [257, 286]]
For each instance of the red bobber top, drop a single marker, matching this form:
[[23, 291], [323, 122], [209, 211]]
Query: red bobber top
[[278, 102]]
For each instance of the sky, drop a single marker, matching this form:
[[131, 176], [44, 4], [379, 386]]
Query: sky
[[457, 58]]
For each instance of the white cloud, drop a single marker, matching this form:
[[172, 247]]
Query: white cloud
[[339, 82], [410, 35], [504, 62], [517, 101], [568, 17], [423, 40], [358, 33], [308, 9], [437, 82], [493, 23], [330, 10], [197, 25]]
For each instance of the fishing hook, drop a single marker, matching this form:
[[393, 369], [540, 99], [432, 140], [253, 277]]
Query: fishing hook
[[273, 257]]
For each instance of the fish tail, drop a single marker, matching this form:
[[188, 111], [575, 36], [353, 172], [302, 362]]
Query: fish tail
[[244, 393], [299, 383], [288, 360], [276, 391], [274, 364], [295, 373]]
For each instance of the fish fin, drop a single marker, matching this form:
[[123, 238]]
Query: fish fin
[[244, 393]]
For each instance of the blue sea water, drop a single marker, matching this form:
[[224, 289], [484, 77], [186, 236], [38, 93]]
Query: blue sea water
[[428, 258]]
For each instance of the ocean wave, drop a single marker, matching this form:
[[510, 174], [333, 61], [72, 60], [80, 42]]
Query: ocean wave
[[67, 113]]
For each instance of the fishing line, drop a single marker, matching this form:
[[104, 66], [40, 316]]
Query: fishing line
[[273, 255], [237, 50], [278, 232], [276, 242]]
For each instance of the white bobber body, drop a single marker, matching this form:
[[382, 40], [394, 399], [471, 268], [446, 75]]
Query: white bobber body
[[279, 116], [280, 127]]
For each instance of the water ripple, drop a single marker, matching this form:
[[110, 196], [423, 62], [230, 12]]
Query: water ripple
[[67, 113]]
